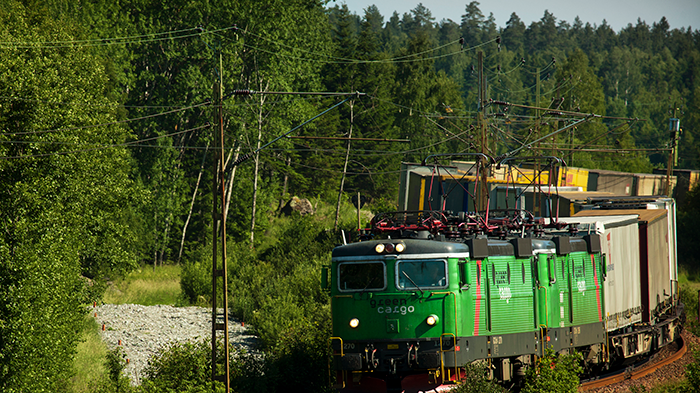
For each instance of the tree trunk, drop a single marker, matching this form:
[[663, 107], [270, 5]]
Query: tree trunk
[[284, 184], [194, 195]]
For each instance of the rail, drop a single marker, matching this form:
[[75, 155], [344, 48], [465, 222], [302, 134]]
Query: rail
[[635, 373]]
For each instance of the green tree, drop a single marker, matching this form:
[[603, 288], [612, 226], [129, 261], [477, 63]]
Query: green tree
[[472, 24], [514, 34], [637, 36], [368, 116], [583, 94], [393, 37], [65, 193], [420, 19], [173, 80], [425, 97]]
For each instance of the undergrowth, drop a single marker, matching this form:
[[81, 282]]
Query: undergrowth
[[88, 363], [147, 286]]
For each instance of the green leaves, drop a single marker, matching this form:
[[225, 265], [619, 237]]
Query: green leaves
[[61, 194], [554, 374]]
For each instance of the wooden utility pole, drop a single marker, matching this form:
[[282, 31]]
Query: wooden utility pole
[[219, 228], [345, 166], [536, 169]]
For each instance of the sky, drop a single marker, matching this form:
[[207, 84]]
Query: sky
[[617, 13]]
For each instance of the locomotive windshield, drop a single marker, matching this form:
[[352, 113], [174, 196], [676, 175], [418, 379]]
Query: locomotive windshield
[[423, 273], [361, 276]]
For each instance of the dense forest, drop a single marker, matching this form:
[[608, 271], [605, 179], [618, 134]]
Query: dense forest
[[109, 109]]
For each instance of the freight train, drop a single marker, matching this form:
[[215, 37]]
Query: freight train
[[423, 293]]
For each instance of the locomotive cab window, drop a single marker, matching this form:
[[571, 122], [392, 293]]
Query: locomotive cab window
[[430, 274], [361, 276]]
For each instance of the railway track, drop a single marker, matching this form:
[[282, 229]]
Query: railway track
[[632, 373]]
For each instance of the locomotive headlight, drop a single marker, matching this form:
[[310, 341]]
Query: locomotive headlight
[[354, 323], [400, 247], [379, 248], [432, 320]]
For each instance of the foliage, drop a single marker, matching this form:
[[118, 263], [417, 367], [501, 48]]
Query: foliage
[[689, 298], [686, 226], [277, 292], [195, 281], [299, 364], [182, 367], [554, 373], [301, 355], [476, 381], [62, 191], [114, 380], [116, 363], [107, 149], [282, 285], [692, 372]]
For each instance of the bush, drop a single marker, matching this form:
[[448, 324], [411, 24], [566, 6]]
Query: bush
[[277, 292], [186, 367], [554, 374], [180, 367], [689, 298], [301, 355], [195, 282], [299, 364], [475, 381], [692, 372], [115, 364]]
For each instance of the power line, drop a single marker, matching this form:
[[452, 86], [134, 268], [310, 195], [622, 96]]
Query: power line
[[400, 59], [139, 39], [348, 60], [106, 124], [87, 104], [102, 147]]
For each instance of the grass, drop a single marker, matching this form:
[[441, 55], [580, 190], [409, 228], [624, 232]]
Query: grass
[[689, 280], [90, 358], [144, 286], [147, 286]]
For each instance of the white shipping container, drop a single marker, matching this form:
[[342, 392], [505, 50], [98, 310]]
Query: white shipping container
[[656, 260], [619, 241]]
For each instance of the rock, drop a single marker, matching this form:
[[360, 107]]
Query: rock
[[301, 205]]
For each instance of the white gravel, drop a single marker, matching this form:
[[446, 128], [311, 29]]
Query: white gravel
[[143, 330]]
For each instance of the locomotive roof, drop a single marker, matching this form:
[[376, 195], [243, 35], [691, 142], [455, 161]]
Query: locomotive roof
[[446, 248], [413, 246]]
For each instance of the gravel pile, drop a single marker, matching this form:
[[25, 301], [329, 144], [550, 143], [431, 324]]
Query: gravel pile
[[143, 330]]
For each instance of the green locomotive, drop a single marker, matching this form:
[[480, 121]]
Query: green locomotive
[[432, 294]]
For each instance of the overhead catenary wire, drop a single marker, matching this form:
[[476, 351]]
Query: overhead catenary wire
[[396, 58], [106, 124], [401, 59], [139, 142], [348, 60], [139, 39], [102, 147]]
